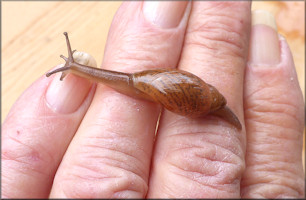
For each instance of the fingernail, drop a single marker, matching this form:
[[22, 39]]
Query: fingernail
[[264, 41], [67, 96], [165, 14]]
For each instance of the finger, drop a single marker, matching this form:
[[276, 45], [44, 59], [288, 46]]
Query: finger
[[110, 155], [37, 131], [274, 116], [205, 157]]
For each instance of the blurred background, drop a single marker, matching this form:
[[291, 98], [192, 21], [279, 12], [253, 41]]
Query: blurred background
[[32, 38]]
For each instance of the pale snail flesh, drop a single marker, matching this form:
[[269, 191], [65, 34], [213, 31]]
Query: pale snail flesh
[[178, 91]]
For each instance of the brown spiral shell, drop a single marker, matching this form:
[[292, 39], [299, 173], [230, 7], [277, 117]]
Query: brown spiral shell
[[179, 91]]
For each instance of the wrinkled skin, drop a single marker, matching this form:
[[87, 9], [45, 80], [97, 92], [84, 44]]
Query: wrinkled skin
[[79, 140]]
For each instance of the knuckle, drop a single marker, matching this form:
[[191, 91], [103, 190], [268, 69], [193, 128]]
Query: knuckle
[[220, 34], [273, 185], [110, 170], [103, 181], [197, 162], [275, 95], [25, 158], [281, 111]]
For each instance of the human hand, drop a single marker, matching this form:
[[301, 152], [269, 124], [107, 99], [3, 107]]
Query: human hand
[[76, 140]]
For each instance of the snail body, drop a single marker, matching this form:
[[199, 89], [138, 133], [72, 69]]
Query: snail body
[[178, 91]]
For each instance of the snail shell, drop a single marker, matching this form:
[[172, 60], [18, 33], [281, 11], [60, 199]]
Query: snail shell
[[179, 91]]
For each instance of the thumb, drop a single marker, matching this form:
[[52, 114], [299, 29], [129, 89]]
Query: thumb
[[37, 132]]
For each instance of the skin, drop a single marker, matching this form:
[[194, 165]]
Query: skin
[[106, 146]]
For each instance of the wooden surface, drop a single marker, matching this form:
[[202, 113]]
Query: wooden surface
[[32, 38]]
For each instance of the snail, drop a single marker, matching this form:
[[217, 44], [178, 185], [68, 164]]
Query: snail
[[178, 91]]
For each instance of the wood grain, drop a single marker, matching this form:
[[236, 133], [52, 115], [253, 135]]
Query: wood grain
[[32, 37]]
